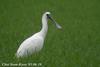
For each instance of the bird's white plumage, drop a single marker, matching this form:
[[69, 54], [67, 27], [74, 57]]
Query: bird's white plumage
[[31, 45], [35, 42]]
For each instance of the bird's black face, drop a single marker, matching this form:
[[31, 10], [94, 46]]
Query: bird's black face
[[57, 25], [48, 16]]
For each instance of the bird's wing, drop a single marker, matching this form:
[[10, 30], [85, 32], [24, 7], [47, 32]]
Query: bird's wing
[[30, 45]]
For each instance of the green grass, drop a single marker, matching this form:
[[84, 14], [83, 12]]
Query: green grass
[[76, 45]]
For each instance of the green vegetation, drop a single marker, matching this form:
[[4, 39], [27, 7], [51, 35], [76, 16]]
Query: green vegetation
[[76, 45]]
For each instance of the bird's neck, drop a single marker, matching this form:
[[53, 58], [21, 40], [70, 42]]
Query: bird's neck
[[44, 25]]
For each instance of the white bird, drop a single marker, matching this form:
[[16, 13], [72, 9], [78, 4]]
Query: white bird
[[34, 43]]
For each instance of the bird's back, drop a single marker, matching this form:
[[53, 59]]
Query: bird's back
[[31, 45]]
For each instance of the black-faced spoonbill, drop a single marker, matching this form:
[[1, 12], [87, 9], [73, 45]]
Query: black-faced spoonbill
[[35, 42]]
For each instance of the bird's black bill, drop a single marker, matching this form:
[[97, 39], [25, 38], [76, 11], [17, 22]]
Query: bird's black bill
[[57, 25]]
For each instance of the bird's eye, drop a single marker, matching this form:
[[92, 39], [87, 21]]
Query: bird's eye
[[48, 16]]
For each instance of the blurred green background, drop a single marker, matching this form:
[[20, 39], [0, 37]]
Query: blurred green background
[[76, 45]]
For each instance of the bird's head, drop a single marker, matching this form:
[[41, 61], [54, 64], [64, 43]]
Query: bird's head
[[48, 14]]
